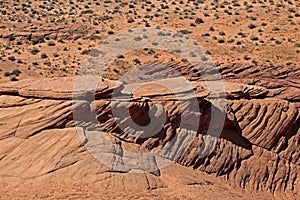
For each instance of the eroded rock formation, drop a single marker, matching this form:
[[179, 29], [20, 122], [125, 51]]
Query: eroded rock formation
[[47, 125]]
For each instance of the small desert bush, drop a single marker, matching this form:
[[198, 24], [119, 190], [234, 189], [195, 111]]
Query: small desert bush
[[51, 43], [254, 38], [221, 33], [251, 26], [34, 50], [43, 55], [220, 40]]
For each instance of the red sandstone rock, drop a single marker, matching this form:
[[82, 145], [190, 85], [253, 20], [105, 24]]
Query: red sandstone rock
[[258, 149]]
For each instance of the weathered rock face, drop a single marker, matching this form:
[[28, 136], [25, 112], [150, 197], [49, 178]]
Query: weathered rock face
[[39, 31], [259, 147]]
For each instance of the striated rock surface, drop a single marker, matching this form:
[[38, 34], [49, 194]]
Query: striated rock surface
[[39, 31], [48, 130]]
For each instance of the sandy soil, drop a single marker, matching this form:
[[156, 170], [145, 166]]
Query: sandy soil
[[63, 32]]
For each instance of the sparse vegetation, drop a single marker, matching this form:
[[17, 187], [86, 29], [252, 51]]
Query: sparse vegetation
[[221, 33], [43, 56], [251, 26], [6, 73], [55, 54], [79, 26], [34, 50], [199, 21], [19, 42], [13, 77], [254, 38], [51, 43], [11, 58], [220, 40], [204, 58], [297, 44]]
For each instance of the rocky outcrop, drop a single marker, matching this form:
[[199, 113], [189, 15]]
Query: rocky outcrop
[[49, 129], [38, 32]]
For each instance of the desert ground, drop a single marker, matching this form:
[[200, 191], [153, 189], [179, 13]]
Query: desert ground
[[45, 45], [52, 38]]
